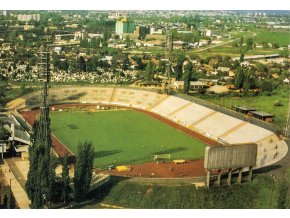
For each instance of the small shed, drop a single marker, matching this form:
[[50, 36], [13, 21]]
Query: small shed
[[243, 109], [198, 85], [262, 115]]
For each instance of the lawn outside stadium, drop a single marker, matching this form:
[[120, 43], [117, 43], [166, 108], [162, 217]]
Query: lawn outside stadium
[[206, 125]]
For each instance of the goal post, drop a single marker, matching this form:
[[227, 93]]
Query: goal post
[[161, 157]]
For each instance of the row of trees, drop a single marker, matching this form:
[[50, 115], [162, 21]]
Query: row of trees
[[41, 169], [41, 185], [246, 79], [186, 75], [82, 173], [79, 64]]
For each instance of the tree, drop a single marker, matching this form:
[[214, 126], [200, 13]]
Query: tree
[[38, 175], [84, 43], [266, 85], [162, 67], [91, 67], [239, 78], [63, 65], [126, 63], [241, 41], [262, 68], [128, 40], [83, 169], [39, 179], [82, 64], [149, 71], [249, 43], [4, 133], [242, 57], [275, 45], [250, 82], [22, 89], [178, 70], [107, 36], [187, 77], [32, 61], [65, 178], [140, 63], [51, 177], [235, 45], [3, 87], [284, 53]]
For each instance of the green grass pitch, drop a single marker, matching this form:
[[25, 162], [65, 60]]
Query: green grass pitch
[[124, 136], [283, 38]]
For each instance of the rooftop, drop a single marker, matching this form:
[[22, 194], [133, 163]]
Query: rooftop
[[262, 114], [244, 108]]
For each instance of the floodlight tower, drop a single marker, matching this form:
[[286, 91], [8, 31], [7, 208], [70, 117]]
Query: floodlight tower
[[287, 125], [43, 130], [169, 47]]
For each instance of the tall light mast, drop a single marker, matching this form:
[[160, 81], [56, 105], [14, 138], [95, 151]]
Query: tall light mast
[[287, 125], [43, 129], [169, 48]]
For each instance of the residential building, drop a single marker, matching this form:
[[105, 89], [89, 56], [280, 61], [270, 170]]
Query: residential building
[[179, 45], [124, 26], [28, 17]]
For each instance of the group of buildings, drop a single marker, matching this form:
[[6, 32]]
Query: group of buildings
[[28, 17]]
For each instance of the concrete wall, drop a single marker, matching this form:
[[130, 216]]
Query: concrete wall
[[230, 156]]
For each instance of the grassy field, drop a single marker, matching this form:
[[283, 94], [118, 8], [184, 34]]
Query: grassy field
[[261, 102], [229, 50], [263, 192], [124, 136], [283, 37]]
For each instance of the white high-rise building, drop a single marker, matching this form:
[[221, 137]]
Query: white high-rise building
[[28, 17]]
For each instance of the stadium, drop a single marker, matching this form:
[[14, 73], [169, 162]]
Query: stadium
[[184, 129]]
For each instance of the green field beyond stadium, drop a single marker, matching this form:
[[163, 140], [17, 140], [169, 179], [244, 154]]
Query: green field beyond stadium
[[123, 136]]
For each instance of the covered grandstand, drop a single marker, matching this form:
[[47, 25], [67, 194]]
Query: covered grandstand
[[19, 138]]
